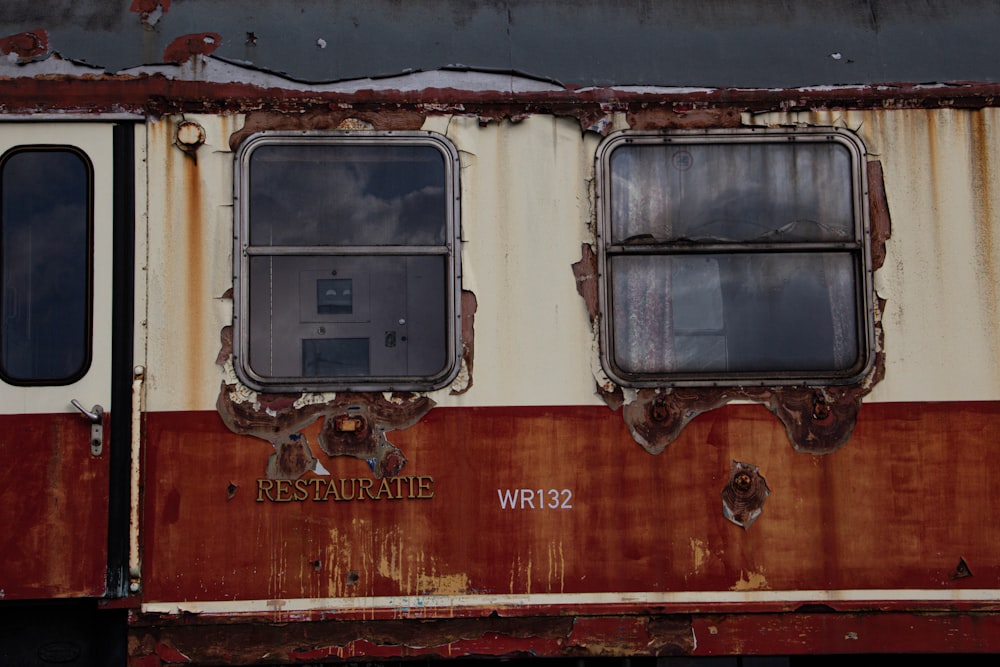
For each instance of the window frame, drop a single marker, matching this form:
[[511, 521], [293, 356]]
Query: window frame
[[88, 317], [243, 251], [859, 249]]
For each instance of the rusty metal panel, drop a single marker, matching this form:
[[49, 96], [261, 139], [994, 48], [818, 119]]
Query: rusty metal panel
[[53, 508], [568, 511]]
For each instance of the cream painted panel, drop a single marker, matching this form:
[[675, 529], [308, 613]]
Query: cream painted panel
[[526, 211], [190, 223], [95, 139]]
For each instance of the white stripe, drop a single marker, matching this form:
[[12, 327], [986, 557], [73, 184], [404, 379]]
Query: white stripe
[[419, 603]]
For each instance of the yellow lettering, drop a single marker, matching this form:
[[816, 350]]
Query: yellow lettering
[[345, 488], [331, 488], [384, 488], [424, 485], [284, 488], [264, 489]]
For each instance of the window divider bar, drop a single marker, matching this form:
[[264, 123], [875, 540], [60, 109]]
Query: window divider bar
[[346, 250], [733, 248]]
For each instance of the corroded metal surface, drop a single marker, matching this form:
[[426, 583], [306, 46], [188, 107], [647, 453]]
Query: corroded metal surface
[[744, 494]]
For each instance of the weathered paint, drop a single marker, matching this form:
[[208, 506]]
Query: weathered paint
[[644, 562], [53, 506], [525, 217], [633, 524], [189, 220]]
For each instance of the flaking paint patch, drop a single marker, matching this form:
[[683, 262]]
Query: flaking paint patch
[[700, 553], [445, 584], [750, 581]]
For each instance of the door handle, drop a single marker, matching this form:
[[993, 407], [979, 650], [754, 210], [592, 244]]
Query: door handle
[[95, 416]]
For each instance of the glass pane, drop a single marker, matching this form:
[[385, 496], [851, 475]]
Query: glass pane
[[732, 191], [335, 357], [341, 194], [737, 313], [343, 317], [46, 251]]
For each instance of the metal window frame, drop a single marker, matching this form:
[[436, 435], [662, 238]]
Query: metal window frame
[[860, 249], [243, 251]]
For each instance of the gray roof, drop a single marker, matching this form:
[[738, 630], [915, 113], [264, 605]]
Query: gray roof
[[577, 43]]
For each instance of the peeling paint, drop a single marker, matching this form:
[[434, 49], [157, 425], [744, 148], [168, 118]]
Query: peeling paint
[[186, 47], [700, 553], [26, 46], [279, 419], [818, 420], [449, 584], [750, 581]]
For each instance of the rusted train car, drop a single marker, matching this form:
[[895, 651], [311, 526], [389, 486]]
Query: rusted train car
[[379, 330]]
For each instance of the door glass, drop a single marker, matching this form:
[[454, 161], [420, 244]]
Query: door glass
[[45, 252]]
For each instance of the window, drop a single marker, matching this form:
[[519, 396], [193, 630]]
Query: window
[[732, 258], [347, 261], [45, 251]]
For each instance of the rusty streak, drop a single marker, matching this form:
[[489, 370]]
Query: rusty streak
[[159, 95]]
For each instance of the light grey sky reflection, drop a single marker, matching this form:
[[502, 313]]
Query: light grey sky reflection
[[347, 195]]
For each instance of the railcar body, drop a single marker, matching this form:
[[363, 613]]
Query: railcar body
[[424, 331]]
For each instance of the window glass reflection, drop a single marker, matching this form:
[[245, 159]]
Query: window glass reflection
[[347, 195], [738, 313], [757, 192], [45, 255]]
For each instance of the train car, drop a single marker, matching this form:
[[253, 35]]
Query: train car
[[376, 331]]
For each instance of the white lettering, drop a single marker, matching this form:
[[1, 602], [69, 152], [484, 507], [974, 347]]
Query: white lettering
[[548, 499]]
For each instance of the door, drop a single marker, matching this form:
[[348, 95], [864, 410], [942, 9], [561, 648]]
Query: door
[[57, 214]]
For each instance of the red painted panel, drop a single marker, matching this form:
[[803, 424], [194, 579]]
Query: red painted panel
[[897, 507], [53, 508]]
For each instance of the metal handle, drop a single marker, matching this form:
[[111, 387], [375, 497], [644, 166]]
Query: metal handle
[[95, 414]]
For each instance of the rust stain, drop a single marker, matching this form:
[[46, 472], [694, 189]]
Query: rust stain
[[744, 494], [26, 46], [682, 115], [878, 213], [983, 171], [329, 118], [160, 95], [463, 383], [195, 44], [194, 226]]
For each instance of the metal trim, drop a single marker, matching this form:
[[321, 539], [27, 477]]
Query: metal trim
[[242, 251], [860, 248]]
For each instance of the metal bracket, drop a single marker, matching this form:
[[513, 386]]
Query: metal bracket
[[96, 417]]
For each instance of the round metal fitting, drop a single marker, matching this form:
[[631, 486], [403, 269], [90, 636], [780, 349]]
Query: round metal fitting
[[190, 135]]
